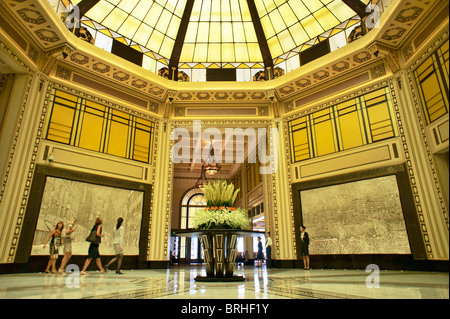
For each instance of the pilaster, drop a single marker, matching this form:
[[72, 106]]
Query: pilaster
[[283, 215], [429, 202], [161, 207]]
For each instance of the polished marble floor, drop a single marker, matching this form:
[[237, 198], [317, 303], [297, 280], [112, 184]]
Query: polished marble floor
[[177, 282]]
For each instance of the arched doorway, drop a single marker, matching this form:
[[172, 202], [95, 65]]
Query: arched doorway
[[188, 249]]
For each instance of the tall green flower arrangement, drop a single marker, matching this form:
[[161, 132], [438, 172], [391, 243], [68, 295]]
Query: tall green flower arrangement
[[220, 212], [220, 194]]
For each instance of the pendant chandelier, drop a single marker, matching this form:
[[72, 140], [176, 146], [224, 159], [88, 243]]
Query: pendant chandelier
[[209, 168]]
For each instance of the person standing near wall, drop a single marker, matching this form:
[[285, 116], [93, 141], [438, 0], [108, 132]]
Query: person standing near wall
[[259, 255], [268, 251], [304, 247], [93, 252], [67, 245], [118, 246], [55, 243]]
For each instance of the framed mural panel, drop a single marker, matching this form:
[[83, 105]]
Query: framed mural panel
[[360, 217], [66, 200]]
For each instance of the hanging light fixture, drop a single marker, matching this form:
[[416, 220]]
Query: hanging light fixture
[[212, 167], [201, 182]]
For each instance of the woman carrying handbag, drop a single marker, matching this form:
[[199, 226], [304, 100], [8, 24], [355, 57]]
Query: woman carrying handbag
[[95, 241]]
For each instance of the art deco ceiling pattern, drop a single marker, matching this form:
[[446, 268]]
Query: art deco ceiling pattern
[[45, 41], [220, 31]]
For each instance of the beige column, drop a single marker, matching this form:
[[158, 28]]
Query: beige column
[[159, 228], [431, 210], [20, 145], [283, 216]]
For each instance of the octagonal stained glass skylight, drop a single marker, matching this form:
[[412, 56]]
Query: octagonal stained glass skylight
[[217, 33]]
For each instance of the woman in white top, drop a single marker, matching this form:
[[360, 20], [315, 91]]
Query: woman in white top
[[67, 245], [118, 246]]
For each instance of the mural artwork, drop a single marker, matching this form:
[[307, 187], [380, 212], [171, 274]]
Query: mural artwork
[[363, 217], [67, 200]]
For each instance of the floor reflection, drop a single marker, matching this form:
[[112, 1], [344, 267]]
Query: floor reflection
[[178, 282]]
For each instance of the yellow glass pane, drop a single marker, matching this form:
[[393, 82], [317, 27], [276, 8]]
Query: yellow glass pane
[[100, 11], [260, 7], [250, 32], [118, 137], [225, 11], [164, 21], [269, 31], [119, 115], [187, 53], [128, 5], [238, 32], [254, 52], [201, 52], [286, 41], [274, 46], [146, 123], [235, 10], [60, 126], [298, 33], [143, 34], [141, 146], [129, 27], [425, 66], [166, 47], [313, 5], [300, 145], [95, 108], [326, 19], [374, 94], [115, 19], [269, 4], [340, 10], [287, 14], [214, 32], [312, 27], [155, 41], [191, 32], [153, 14], [277, 21], [380, 123], [228, 52], [141, 9], [241, 52], [203, 32], [245, 11], [91, 132], [173, 27], [227, 32], [324, 138], [180, 7], [62, 116], [206, 10], [66, 96], [350, 130], [299, 9], [378, 113], [215, 13]]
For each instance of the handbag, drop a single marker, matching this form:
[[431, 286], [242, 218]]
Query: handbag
[[93, 238]]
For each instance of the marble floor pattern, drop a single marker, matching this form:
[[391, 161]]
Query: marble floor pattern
[[177, 282]]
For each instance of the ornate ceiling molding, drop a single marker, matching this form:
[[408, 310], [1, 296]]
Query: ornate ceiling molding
[[41, 24]]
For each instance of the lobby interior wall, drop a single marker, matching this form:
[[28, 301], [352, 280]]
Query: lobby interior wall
[[42, 173]]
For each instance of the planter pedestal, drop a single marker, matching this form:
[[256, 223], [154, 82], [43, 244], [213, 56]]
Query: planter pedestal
[[219, 250]]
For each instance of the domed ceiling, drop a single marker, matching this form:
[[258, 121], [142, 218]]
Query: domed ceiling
[[220, 33]]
